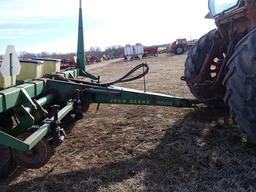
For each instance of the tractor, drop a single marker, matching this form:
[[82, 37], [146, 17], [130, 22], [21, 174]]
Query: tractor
[[220, 69], [179, 46]]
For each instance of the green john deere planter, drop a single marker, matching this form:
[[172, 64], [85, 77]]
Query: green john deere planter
[[31, 110]]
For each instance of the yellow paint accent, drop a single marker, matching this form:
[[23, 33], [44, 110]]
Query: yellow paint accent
[[51, 67], [139, 102], [30, 70], [6, 81]]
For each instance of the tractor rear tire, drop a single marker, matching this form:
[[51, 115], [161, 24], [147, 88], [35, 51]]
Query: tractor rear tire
[[240, 83], [196, 58]]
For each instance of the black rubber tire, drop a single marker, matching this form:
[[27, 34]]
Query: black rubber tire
[[7, 165], [179, 51], [240, 83], [6, 162], [36, 157], [6, 121], [194, 62]]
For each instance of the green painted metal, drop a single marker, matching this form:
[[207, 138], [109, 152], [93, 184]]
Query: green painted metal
[[33, 88], [14, 96], [40, 113], [26, 120], [30, 112], [116, 95], [13, 142], [119, 95], [38, 135], [89, 75], [65, 89], [80, 43], [64, 111], [46, 100], [21, 94], [89, 94], [80, 47], [71, 73], [27, 99]]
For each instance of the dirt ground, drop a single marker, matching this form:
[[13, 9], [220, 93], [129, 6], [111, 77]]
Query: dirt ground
[[143, 148]]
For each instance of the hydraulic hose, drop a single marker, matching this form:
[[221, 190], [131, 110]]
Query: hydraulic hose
[[127, 78]]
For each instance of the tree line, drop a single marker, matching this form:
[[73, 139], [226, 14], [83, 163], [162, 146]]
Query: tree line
[[110, 52]]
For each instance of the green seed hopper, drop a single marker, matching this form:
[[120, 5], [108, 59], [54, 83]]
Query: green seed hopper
[[31, 110]]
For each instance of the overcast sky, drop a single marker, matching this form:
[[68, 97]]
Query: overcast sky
[[51, 25]]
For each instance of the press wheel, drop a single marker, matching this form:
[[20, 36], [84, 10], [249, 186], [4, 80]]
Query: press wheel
[[35, 158], [7, 164]]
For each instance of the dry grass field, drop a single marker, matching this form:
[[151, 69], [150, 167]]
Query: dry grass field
[[146, 148]]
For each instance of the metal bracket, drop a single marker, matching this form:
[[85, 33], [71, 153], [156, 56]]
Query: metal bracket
[[88, 75], [26, 97], [25, 118], [78, 109], [58, 133]]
